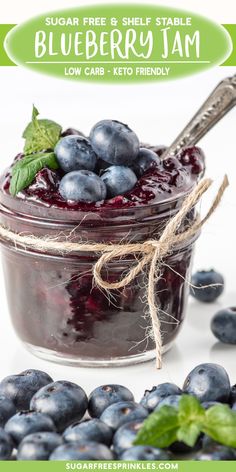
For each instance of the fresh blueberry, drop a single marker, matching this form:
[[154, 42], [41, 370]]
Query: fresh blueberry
[[84, 451], [207, 405], [146, 159], [123, 412], [223, 325], [211, 448], [38, 446], [7, 409], [208, 382], [75, 153], [72, 131], [27, 422], [125, 436], [118, 180], [152, 397], [83, 186], [114, 142], [65, 402], [21, 388], [219, 453], [171, 400], [208, 442], [206, 279], [145, 453], [6, 445], [101, 397], [233, 395], [91, 430]]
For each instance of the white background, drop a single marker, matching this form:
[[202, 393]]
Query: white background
[[157, 112]]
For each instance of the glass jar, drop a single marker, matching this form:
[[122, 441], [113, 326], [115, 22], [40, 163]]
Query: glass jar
[[55, 308]]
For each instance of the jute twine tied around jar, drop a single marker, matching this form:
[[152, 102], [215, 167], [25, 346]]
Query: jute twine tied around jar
[[150, 252]]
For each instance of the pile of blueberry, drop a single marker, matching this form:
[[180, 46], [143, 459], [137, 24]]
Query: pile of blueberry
[[116, 146], [45, 420], [108, 163], [207, 286], [110, 168]]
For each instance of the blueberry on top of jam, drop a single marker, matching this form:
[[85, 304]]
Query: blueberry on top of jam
[[147, 180]]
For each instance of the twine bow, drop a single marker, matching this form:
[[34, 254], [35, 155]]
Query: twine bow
[[151, 252]]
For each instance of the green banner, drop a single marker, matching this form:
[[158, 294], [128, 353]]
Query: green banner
[[231, 60], [60, 466], [119, 43], [6, 61], [4, 58]]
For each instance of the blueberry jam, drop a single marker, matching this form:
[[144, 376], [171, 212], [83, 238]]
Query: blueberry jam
[[55, 308], [163, 180]]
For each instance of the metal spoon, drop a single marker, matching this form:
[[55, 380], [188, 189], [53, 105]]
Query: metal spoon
[[219, 102]]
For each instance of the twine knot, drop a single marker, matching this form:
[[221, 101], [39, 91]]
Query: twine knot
[[152, 252]]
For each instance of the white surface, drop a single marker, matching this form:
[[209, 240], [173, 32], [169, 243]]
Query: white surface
[[157, 112]]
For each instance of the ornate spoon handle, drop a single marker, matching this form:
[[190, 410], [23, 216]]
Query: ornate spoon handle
[[221, 100]]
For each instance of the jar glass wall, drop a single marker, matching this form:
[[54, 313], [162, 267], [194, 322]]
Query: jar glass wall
[[55, 308]]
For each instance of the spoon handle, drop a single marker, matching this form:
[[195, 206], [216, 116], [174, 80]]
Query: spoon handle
[[220, 101]]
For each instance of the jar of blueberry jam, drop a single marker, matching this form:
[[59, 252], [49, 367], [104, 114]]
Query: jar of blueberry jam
[[56, 309]]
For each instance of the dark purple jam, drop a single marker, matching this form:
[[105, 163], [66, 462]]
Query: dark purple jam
[[168, 179], [55, 307]]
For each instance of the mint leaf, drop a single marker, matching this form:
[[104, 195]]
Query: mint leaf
[[189, 434], [190, 409], [24, 171], [35, 113], [185, 423], [169, 424], [191, 417], [40, 135], [220, 424], [160, 428]]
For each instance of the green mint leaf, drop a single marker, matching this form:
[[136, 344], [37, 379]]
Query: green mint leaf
[[169, 424], [189, 434], [160, 428], [35, 113], [40, 135], [25, 170], [191, 418], [190, 410], [220, 424]]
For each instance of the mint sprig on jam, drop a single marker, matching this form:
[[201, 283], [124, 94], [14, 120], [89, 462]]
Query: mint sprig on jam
[[25, 170], [185, 423], [41, 136]]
